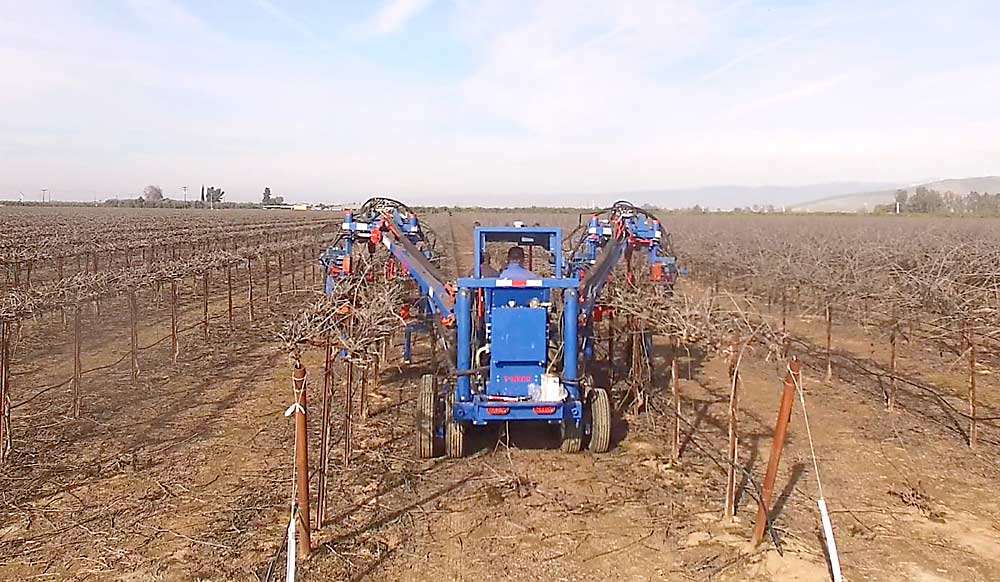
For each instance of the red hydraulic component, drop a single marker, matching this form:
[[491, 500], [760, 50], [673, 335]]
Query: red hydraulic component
[[390, 269], [376, 236], [656, 272], [601, 310], [347, 266], [404, 312]]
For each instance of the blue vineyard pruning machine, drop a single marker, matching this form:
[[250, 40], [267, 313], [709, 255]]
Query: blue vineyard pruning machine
[[517, 348]]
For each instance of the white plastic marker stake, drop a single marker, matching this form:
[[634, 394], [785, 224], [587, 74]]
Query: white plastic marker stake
[[831, 544], [290, 560]]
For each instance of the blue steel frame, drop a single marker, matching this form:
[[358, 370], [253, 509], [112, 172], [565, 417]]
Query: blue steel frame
[[580, 281], [639, 229], [478, 408]]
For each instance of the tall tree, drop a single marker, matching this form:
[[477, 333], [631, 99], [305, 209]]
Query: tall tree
[[153, 193]]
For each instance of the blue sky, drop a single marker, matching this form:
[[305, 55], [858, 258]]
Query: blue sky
[[443, 100]]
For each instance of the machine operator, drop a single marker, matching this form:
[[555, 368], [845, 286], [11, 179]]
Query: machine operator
[[515, 266]]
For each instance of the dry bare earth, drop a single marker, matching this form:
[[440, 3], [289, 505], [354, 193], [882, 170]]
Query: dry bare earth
[[187, 476]]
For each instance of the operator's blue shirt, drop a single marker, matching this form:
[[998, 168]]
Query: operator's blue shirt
[[517, 273]]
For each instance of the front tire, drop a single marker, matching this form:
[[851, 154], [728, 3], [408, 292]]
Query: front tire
[[426, 421], [600, 412]]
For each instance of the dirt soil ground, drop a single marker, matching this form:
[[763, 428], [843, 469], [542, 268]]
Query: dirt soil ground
[[187, 476]]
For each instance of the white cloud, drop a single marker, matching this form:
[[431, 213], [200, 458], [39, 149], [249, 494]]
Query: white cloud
[[394, 14]]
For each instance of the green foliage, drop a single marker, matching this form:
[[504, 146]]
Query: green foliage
[[926, 201]]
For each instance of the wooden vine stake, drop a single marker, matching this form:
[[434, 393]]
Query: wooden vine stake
[[890, 401], [5, 437], [792, 379], [133, 310], [733, 450], [324, 435], [250, 289], [301, 458], [204, 304], [348, 412], [675, 385], [174, 346], [267, 278], [973, 425], [229, 287], [77, 364], [829, 342], [281, 273], [611, 347]]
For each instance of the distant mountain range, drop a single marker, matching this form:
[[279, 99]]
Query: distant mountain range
[[867, 200], [708, 197]]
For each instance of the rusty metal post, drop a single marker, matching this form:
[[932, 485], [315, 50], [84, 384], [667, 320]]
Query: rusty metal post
[[229, 287], [133, 309], [973, 423], [733, 456], [77, 363], [324, 435], [291, 268], [204, 304], [174, 345], [301, 458], [780, 431], [250, 288], [675, 385], [5, 437]]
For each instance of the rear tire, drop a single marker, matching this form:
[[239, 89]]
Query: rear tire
[[454, 432], [600, 412], [426, 421]]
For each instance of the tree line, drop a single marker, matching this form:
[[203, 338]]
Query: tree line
[[925, 200]]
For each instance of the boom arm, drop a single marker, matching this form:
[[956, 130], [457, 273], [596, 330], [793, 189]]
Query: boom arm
[[431, 280]]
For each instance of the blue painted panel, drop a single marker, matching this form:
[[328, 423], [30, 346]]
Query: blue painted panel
[[518, 335]]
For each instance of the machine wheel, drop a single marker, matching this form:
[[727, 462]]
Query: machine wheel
[[426, 423], [454, 432], [600, 413], [572, 436]]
